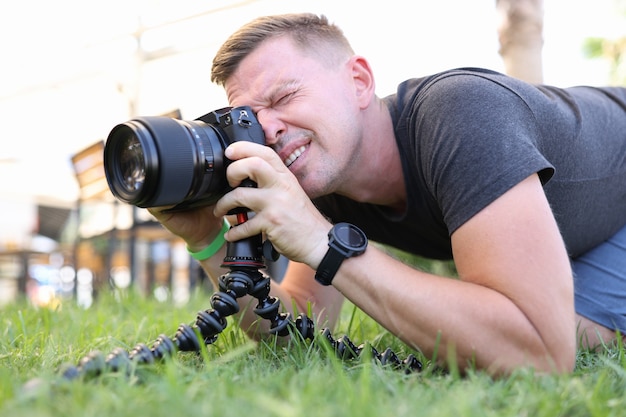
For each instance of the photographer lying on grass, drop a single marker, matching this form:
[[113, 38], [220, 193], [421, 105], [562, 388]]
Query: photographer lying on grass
[[523, 186]]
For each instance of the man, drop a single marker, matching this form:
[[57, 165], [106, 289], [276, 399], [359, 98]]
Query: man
[[513, 182]]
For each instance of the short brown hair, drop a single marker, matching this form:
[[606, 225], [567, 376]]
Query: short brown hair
[[306, 29]]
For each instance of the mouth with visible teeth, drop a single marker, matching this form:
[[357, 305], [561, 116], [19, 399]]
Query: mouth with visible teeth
[[294, 155]]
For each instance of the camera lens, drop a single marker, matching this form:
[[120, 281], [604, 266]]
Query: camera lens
[[132, 164], [159, 161]]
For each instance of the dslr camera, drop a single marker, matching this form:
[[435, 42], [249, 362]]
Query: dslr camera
[[159, 161]]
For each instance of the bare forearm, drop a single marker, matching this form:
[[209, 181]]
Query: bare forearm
[[465, 320]]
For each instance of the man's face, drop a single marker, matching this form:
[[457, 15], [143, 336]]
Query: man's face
[[307, 108]]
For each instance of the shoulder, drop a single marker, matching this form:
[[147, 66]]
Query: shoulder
[[461, 88], [460, 96], [457, 82]]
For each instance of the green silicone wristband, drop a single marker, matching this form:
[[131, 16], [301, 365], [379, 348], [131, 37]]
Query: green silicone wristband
[[214, 247]]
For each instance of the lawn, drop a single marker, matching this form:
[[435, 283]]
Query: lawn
[[236, 377]]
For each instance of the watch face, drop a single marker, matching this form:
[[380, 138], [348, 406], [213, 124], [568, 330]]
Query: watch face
[[350, 236]]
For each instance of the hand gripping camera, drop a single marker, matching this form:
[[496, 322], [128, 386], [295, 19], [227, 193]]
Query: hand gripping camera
[[160, 161]]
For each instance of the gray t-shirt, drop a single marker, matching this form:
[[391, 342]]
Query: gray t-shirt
[[466, 136]]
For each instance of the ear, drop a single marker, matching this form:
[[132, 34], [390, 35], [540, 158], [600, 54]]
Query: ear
[[363, 78]]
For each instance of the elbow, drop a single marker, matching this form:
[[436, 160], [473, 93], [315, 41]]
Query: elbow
[[559, 358], [562, 348], [564, 360], [556, 347]]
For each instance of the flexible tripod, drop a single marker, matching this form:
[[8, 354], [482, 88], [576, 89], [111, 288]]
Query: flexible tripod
[[244, 259]]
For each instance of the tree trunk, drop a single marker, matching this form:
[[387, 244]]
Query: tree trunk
[[520, 32]]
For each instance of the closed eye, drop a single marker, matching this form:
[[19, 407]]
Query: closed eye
[[285, 98]]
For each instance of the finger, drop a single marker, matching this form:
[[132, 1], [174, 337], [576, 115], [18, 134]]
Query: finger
[[245, 149], [160, 213], [251, 198], [262, 173], [243, 230], [159, 209], [248, 168]]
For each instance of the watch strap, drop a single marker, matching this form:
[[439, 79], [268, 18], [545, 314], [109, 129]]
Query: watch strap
[[329, 266]]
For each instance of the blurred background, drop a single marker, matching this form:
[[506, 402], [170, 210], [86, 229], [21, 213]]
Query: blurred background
[[72, 69]]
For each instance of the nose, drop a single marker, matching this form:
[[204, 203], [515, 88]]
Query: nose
[[273, 127]]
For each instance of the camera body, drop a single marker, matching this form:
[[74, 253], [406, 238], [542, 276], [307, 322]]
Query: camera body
[[159, 161]]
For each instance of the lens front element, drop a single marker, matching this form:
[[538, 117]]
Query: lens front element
[[132, 164]]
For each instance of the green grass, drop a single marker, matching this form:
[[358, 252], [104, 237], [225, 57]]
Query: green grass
[[235, 377]]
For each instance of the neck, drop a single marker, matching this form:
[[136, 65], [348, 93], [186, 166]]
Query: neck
[[381, 180]]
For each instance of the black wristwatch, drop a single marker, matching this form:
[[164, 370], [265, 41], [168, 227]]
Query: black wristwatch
[[345, 240]]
